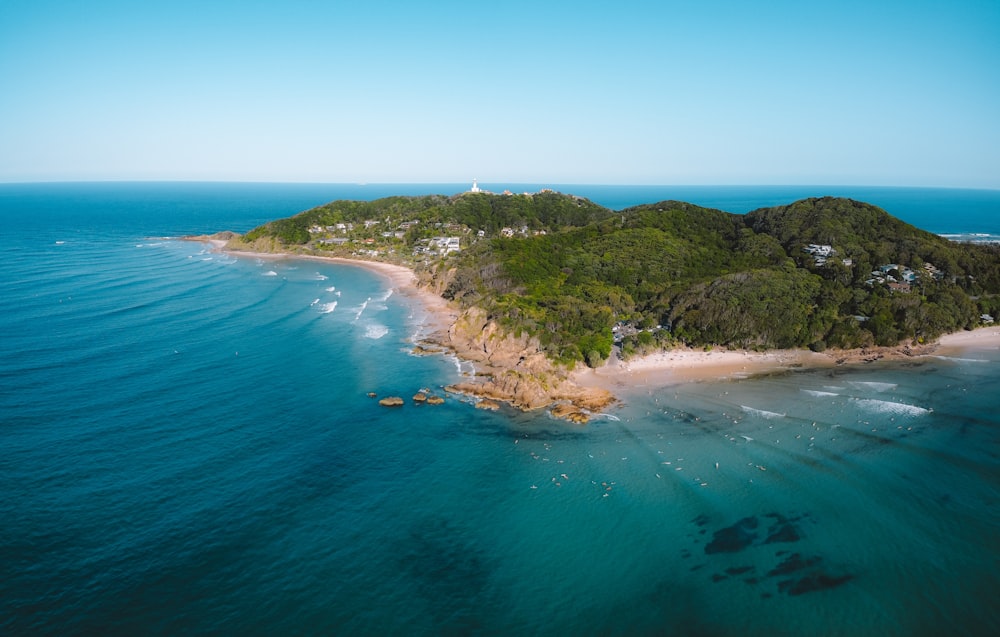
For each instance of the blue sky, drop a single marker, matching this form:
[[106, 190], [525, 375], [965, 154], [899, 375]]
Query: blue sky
[[710, 92]]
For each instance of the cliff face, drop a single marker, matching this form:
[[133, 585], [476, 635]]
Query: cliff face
[[519, 373]]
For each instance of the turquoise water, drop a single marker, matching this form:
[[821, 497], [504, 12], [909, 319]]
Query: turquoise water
[[187, 447]]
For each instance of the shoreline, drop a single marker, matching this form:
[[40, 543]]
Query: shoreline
[[661, 369], [685, 365], [439, 313]]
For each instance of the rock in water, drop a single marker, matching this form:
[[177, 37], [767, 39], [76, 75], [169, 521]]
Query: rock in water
[[391, 401]]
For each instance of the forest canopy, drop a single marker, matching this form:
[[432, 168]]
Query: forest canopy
[[821, 272]]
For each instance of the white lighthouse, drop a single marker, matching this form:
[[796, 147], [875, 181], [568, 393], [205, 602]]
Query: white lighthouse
[[475, 186]]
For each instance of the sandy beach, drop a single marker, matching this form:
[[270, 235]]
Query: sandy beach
[[984, 338], [440, 314], [691, 365]]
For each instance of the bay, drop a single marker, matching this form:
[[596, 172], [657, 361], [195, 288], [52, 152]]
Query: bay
[[188, 447]]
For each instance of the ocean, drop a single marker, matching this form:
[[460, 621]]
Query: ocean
[[187, 447]]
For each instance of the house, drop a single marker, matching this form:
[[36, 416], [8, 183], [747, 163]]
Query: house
[[896, 286]]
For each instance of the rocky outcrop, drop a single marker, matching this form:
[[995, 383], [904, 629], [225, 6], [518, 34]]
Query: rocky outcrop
[[570, 412], [391, 401], [516, 370]]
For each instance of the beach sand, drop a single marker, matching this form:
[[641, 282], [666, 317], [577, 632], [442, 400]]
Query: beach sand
[[440, 314], [984, 338], [689, 365]]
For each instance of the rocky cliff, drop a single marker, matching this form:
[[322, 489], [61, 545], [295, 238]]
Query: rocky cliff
[[515, 369]]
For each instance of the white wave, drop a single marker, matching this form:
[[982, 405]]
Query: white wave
[[315, 301], [385, 297], [361, 309], [819, 394], [761, 413], [331, 288], [59, 243], [321, 277], [376, 330], [889, 407], [327, 308], [606, 417], [962, 360], [879, 387], [207, 259], [270, 273]]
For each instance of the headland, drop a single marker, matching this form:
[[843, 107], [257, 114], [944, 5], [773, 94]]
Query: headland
[[514, 369]]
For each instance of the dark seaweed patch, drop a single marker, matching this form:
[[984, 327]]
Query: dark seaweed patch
[[792, 563], [739, 570], [783, 532], [811, 583], [733, 538]]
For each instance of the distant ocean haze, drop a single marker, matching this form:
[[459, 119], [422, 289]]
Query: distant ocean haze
[[188, 447]]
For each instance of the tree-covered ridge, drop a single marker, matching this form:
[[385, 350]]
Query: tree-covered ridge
[[543, 211], [580, 277]]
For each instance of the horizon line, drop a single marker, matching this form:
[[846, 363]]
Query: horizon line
[[520, 183]]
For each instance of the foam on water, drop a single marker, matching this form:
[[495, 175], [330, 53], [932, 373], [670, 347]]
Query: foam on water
[[877, 386], [818, 394], [320, 277], [375, 330], [760, 413], [889, 407], [270, 273], [962, 360], [328, 308], [361, 309], [332, 288]]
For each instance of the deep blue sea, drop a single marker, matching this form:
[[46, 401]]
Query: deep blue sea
[[186, 447]]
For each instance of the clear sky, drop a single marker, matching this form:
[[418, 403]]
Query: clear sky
[[872, 92]]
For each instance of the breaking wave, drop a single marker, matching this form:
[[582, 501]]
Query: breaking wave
[[326, 308], [889, 407], [879, 387], [819, 394], [962, 360], [376, 331], [761, 413]]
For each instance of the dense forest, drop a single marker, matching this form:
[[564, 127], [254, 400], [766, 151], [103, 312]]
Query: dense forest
[[818, 273]]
